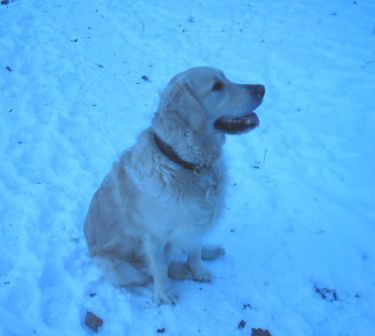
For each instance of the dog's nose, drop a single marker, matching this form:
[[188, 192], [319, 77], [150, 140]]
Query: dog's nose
[[258, 91]]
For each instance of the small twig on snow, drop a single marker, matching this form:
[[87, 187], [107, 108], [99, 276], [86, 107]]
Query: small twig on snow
[[264, 156]]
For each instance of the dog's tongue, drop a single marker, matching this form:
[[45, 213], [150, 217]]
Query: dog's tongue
[[237, 125]]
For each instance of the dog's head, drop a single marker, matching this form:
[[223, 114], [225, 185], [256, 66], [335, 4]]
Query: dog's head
[[204, 99]]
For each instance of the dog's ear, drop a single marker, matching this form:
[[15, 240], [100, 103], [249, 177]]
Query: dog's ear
[[182, 102]]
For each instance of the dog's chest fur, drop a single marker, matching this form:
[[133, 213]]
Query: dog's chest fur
[[173, 201]]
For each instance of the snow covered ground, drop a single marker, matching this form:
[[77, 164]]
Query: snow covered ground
[[299, 224]]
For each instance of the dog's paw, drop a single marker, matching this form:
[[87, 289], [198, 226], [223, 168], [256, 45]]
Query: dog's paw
[[212, 252], [202, 275], [165, 296]]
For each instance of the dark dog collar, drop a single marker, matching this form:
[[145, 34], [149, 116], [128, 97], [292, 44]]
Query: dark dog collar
[[169, 152]]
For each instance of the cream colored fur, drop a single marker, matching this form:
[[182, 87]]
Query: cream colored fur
[[149, 209]]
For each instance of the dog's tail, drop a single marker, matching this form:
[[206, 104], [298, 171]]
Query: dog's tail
[[123, 273]]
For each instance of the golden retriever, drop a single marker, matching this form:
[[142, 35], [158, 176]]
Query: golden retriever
[[166, 192]]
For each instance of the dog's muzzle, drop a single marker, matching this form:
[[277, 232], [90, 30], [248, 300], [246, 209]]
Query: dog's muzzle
[[244, 123]]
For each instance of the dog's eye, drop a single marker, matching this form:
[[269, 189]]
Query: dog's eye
[[218, 86]]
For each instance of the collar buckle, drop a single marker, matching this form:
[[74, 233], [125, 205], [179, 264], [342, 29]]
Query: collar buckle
[[200, 170]]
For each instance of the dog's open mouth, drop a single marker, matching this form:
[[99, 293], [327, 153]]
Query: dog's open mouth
[[237, 125]]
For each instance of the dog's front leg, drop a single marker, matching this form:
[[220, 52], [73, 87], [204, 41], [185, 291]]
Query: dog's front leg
[[200, 273], [155, 251]]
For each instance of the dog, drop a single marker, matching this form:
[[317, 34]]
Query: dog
[[167, 191]]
